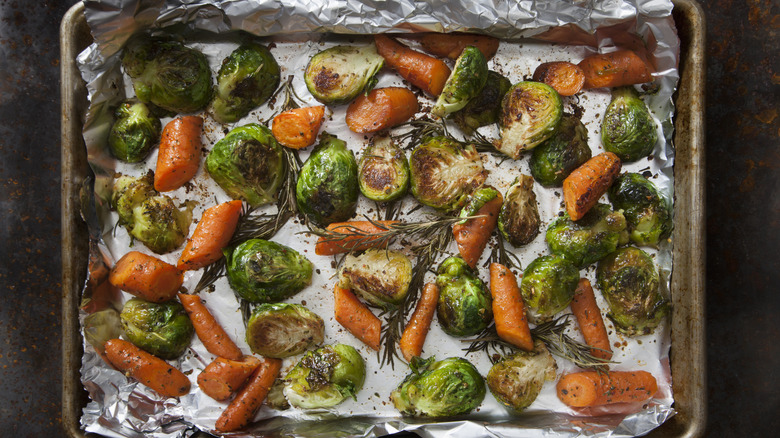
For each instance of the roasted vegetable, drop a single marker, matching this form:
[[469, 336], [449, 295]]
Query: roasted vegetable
[[519, 219], [282, 330], [465, 306], [383, 171], [485, 108], [379, 276], [629, 281], [628, 129], [589, 239], [163, 329], [339, 74], [516, 380], [134, 132], [467, 79], [261, 271], [647, 212], [445, 388], [552, 161], [548, 286], [325, 377], [530, 113]]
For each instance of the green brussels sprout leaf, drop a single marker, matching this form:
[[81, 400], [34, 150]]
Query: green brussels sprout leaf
[[339, 74]]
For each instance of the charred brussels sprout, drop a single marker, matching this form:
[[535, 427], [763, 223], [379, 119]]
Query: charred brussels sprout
[[380, 276], [649, 215], [248, 164], [282, 330], [261, 271], [383, 171], [168, 74], [628, 130], [338, 74], [552, 161], [629, 281], [246, 79], [518, 220], [476, 200], [589, 239], [444, 173], [484, 109], [325, 377], [465, 305], [530, 113], [134, 132], [517, 380], [445, 388], [327, 189], [162, 329], [467, 79], [548, 286]]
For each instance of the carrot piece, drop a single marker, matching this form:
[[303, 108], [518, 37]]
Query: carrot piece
[[149, 370], [615, 69], [472, 237], [381, 109], [357, 239], [146, 277], [243, 408], [594, 388], [297, 128], [567, 78], [212, 234], [588, 315], [422, 71], [509, 308], [451, 45], [417, 328], [222, 377], [585, 185], [210, 333], [179, 153], [356, 317]]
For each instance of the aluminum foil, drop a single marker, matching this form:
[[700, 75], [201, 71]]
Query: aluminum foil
[[534, 32]]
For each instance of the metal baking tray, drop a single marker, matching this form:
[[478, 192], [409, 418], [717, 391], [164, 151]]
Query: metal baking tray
[[688, 355]]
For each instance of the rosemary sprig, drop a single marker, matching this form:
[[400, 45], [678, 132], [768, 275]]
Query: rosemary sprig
[[420, 130], [499, 254]]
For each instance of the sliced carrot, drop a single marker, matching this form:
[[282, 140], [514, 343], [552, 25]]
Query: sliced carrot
[[146, 277], [210, 333], [416, 330], [615, 69], [243, 408], [356, 317], [472, 237], [588, 315], [356, 236], [567, 78], [297, 128], [587, 183], [422, 71], [509, 308], [179, 153], [451, 45], [380, 109], [212, 234], [594, 388], [149, 370], [222, 377]]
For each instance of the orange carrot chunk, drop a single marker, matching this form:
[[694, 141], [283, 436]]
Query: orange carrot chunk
[[509, 308], [417, 328], [357, 237], [222, 377], [472, 237], [179, 153], [587, 183], [615, 69], [297, 128], [212, 234], [149, 370], [243, 408], [210, 333], [588, 315], [356, 317], [593, 388], [566, 78], [381, 109], [146, 277], [422, 71], [451, 45]]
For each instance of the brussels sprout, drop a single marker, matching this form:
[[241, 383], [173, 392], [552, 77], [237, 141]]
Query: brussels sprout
[[129, 193], [246, 79], [467, 79], [338, 74], [444, 173], [548, 286], [484, 109], [383, 171], [275, 398], [477, 200], [134, 132], [445, 388], [327, 189], [628, 130], [465, 306], [248, 164], [283, 330], [325, 377], [589, 239], [629, 281], [380, 276], [261, 271], [168, 74], [552, 161], [517, 380], [518, 220], [648, 214], [162, 329], [530, 113]]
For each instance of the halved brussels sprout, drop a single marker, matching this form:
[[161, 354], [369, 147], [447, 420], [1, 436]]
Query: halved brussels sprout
[[648, 213], [327, 189], [589, 239], [248, 164], [134, 132], [518, 220], [383, 171], [261, 271], [129, 192], [530, 113], [162, 329], [325, 377], [516, 380], [552, 161], [444, 172], [465, 306], [445, 388], [629, 281], [548, 286], [476, 200], [282, 330], [467, 79], [338, 74], [628, 129], [484, 109], [379, 276], [246, 79]]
